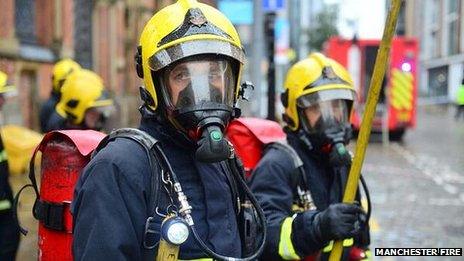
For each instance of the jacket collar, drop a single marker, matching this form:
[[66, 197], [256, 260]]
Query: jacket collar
[[165, 133]]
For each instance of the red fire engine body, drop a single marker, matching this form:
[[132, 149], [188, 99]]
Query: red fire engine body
[[398, 97]]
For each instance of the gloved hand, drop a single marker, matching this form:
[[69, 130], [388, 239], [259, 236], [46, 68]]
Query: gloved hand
[[339, 221]]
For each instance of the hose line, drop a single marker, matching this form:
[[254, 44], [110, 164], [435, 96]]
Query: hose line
[[239, 176]]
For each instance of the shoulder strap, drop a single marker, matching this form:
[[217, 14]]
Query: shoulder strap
[[298, 179], [281, 145], [148, 143], [139, 136]]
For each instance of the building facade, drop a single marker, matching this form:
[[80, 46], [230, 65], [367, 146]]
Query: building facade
[[29, 43], [439, 24], [102, 35]]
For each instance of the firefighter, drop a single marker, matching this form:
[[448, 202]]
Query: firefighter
[[84, 103], [190, 59], [302, 205], [460, 101], [61, 71], [9, 229]]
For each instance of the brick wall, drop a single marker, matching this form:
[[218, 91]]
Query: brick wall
[[67, 29], [7, 12], [44, 20]]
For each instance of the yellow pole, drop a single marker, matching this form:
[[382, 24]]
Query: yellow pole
[[372, 98]]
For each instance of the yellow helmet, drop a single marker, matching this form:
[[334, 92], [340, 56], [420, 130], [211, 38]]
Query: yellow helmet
[[185, 29], [316, 77], [4, 87], [81, 91], [61, 71]]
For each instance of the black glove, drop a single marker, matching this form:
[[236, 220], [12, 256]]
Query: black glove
[[339, 221]]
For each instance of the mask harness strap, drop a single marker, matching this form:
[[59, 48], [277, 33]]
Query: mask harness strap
[[185, 209]]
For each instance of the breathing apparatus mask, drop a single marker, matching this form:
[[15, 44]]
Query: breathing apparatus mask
[[325, 123], [96, 117], [199, 95]]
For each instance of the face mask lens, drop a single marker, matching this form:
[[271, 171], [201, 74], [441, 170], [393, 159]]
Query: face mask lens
[[193, 82], [323, 115], [95, 118]]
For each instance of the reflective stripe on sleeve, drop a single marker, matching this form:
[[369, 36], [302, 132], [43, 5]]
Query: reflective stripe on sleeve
[[3, 156], [346, 243], [368, 255], [5, 204], [286, 249], [199, 259]]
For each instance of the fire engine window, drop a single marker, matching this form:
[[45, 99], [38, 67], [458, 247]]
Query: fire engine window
[[370, 53]]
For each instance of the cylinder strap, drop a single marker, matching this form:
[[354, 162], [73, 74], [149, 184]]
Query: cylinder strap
[[52, 215]]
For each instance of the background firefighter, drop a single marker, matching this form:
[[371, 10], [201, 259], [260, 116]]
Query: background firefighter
[[460, 101], [318, 101], [84, 103], [61, 72], [9, 229]]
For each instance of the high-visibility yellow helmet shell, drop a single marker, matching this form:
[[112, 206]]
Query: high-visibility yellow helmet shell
[[81, 91], [4, 86], [315, 74], [61, 70], [185, 29]]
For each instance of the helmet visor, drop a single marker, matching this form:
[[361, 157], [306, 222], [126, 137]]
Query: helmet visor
[[325, 95], [191, 82], [324, 115], [103, 100], [104, 110], [181, 51], [95, 117], [9, 91]]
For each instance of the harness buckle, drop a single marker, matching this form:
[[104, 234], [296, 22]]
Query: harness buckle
[[151, 235]]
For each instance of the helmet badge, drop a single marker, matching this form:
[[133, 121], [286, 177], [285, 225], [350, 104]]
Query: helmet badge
[[197, 18], [329, 73], [195, 22]]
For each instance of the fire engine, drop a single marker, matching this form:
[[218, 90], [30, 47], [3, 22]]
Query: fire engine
[[398, 97]]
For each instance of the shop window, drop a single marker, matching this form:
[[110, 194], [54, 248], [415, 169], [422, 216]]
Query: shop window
[[25, 21]]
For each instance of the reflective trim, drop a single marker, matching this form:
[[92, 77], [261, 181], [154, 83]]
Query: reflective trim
[[307, 100], [101, 103], [172, 54], [346, 243], [286, 249], [5, 204], [368, 254], [199, 259], [7, 88], [194, 23], [402, 87], [3, 156]]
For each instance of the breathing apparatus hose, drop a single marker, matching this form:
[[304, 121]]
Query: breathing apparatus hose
[[250, 196], [368, 199]]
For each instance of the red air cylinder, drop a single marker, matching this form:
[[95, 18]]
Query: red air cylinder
[[250, 135], [64, 155]]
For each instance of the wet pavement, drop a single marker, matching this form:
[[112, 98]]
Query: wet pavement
[[417, 188]]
